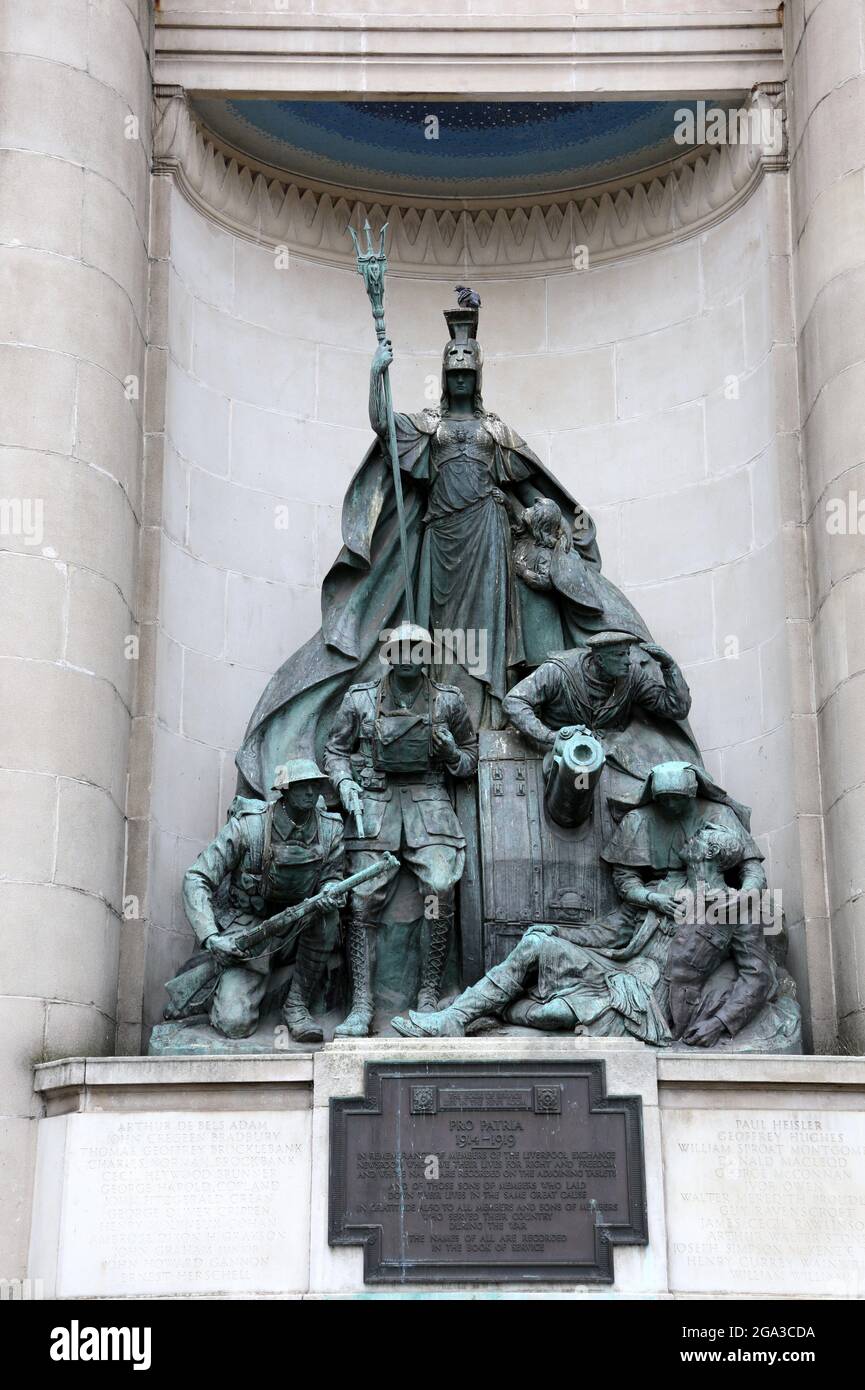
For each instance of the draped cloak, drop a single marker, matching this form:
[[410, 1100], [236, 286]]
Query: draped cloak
[[362, 594]]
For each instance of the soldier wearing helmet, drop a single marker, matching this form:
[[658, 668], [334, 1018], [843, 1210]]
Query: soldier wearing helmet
[[268, 856], [393, 745]]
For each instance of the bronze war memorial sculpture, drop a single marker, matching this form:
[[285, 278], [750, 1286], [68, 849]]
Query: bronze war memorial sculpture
[[393, 744], [472, 802]]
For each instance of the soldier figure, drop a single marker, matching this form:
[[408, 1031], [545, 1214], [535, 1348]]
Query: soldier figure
[[392, 745], [599, 686], [703, 1012], [268, 856], [629, 693], [712, 977], [684, 832]]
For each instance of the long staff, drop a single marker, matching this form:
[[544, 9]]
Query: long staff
[[372, 265]]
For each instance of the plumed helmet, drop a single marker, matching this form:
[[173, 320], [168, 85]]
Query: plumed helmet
[[463, 352]]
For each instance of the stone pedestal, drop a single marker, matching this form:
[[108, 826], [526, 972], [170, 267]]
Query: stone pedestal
[[764, 1175], [178, 1176], [630, 1069], [163, 1179]]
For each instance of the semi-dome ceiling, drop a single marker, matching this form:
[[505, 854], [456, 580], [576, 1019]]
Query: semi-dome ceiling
[[483, 150]]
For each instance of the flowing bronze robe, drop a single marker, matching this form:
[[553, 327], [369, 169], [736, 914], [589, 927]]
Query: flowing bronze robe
[[462, 566], [362, 593]]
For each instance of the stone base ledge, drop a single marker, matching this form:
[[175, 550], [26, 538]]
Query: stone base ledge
[[94, 1079], [208, 1177], [99, 1084], [759, 1070]]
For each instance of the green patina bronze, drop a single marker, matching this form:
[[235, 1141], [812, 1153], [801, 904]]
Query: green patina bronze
[[660, 968], [479, 557], [574, 829]]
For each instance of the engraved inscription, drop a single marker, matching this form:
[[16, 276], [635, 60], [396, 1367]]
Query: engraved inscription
[[765, 1201], [188, 1202], [465, 1178]]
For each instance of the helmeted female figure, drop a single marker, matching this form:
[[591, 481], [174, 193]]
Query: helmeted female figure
[[467, 476]]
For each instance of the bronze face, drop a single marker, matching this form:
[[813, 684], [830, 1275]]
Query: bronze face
[[302, 796], [462, 357], [613, 661], [673, 804]]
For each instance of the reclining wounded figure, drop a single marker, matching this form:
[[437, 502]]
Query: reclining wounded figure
[[555, 979], [663, 858], [664, 981]]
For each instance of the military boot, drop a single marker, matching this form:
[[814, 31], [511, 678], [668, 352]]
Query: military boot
[[309, 967], [438, 942], [359, 1020], [478, 1001], [489, 997]]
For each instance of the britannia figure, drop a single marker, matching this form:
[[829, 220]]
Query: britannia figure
[[466, 480]]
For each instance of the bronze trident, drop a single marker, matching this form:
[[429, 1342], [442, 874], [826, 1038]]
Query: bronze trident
[[372, 265]]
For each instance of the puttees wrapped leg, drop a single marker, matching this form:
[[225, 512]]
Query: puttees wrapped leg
[[313, 949], [437, 948], [360, 952]]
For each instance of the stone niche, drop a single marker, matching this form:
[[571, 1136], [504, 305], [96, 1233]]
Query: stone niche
[[209, 1177], [654, 386]]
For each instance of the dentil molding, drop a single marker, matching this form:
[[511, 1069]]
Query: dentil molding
[[587, 228]]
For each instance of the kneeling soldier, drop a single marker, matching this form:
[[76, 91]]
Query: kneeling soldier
[[390, 749], [269, 855]]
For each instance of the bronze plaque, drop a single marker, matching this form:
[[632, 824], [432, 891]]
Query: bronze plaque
[[487, 1172]]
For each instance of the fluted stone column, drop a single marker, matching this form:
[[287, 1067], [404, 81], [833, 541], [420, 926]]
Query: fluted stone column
[[826, 59], [74, 173]]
